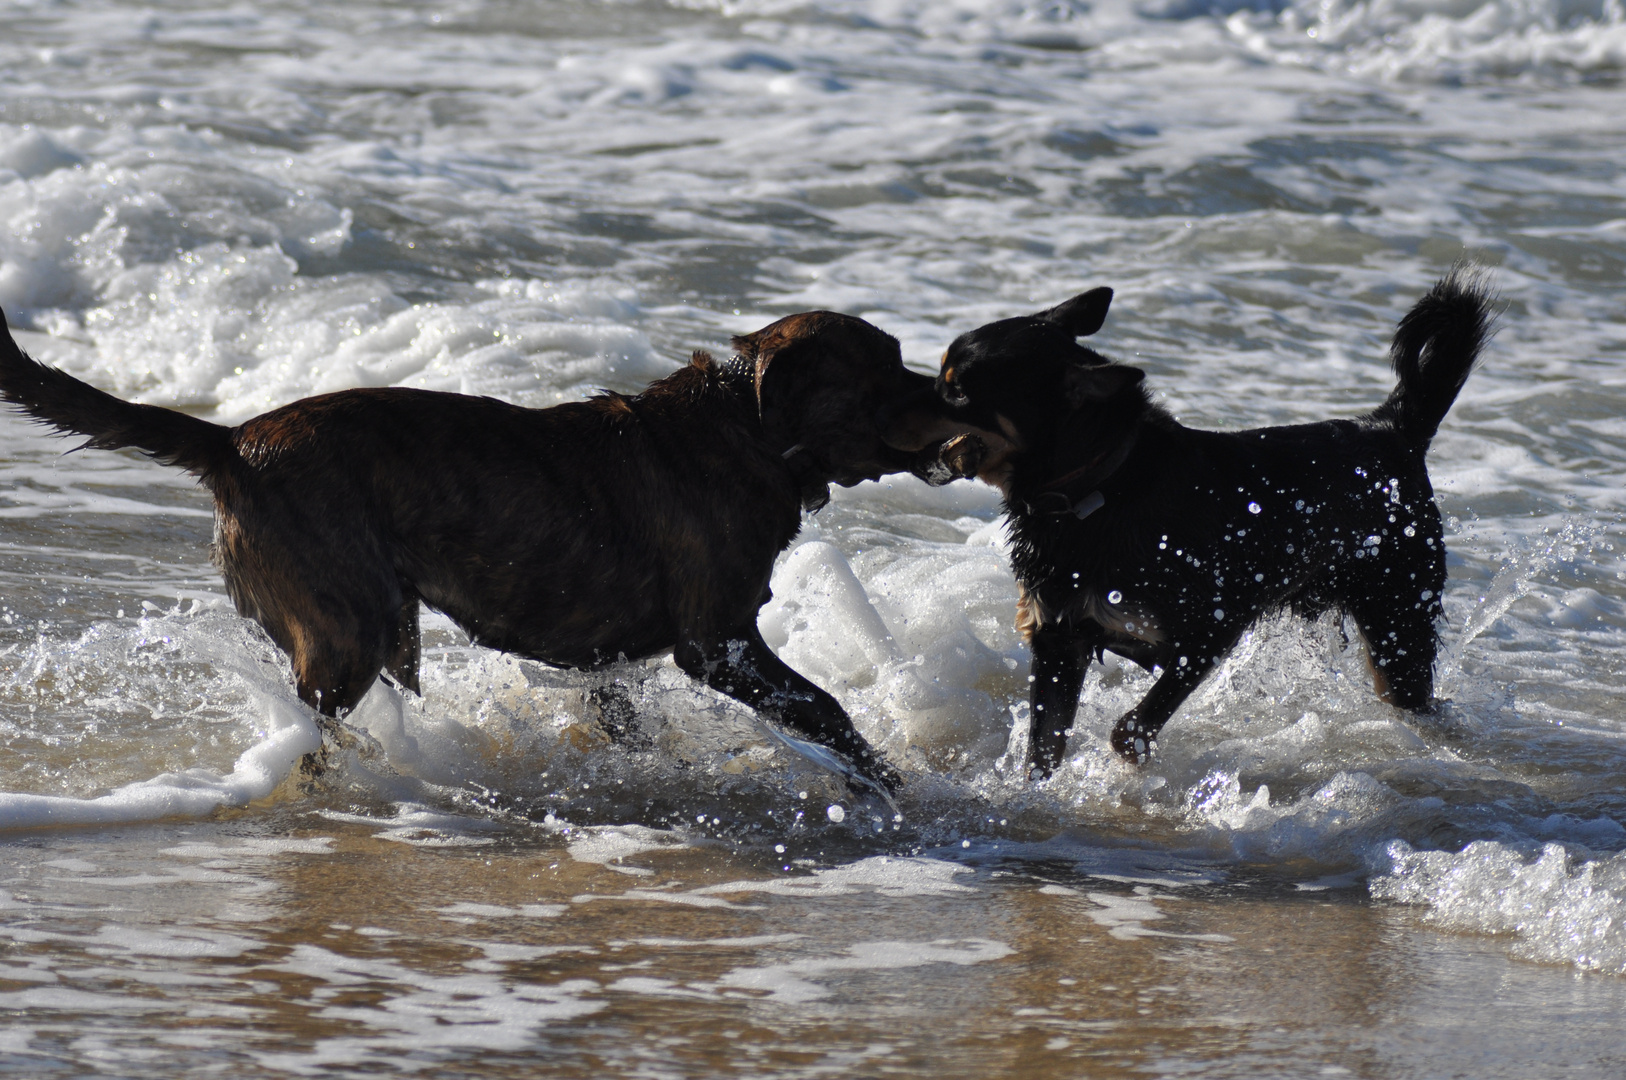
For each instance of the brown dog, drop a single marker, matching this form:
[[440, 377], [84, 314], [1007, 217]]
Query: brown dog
[[607, 529]]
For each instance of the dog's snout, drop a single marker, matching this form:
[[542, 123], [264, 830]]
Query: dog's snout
[[905, 421]]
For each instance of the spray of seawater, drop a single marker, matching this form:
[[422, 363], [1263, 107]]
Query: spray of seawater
[[1525, 566]]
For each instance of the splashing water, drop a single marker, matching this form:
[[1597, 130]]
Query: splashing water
[[1521, 570]]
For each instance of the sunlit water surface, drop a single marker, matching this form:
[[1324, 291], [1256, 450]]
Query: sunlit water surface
[[225, 208]]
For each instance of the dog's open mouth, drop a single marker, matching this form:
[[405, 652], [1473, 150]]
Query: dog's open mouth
[[958, 458]]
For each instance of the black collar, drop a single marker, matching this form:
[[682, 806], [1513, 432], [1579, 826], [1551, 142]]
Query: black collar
[[1056, 504], [1077, 492]]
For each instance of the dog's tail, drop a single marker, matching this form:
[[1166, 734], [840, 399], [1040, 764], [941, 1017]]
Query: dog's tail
[[58, 399], [1434, 351]]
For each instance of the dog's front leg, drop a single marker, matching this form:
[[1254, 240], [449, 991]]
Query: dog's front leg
[[1060, 658], [1136, 731], [742, 666]]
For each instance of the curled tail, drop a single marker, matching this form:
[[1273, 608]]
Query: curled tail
[[56, 398], [1434, 351]]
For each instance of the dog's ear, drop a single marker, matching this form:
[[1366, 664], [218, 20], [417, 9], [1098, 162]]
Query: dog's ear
[[1083, 314], [783, 379], [1099, 382], [782, 356]]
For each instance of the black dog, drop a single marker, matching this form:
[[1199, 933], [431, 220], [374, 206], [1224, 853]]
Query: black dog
[[1163, 544], [617, 527]]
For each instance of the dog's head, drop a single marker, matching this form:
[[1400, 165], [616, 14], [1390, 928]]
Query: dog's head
[[823, 381], [1021, 391]]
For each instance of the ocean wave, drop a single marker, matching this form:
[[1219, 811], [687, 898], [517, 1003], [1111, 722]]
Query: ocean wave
[[1561, 906], [1437, 41], [1424, 41]]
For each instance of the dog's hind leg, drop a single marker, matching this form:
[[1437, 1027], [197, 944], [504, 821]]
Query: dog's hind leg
[[331, 676], [337, 640], [617, 713], [322, 585], [402, 661], [1400, 646]]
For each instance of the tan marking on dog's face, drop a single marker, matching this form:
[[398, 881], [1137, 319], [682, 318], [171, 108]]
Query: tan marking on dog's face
[[999, 466], [924, 425]]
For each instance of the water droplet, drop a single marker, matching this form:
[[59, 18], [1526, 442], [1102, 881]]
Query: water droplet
[[780, 848], [1115, 597], [836, 813], [1255, 508], [1219, 614]]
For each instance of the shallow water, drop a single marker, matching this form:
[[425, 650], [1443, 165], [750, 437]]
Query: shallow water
[[226, 208]]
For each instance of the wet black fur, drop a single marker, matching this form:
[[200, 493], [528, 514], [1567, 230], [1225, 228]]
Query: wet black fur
[[1198, 533]]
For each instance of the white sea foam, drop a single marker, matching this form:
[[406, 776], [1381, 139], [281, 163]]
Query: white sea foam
[[472, 1009], [796, 981], [289, 735], [887, 876], [1443, 40], [1559, 905]]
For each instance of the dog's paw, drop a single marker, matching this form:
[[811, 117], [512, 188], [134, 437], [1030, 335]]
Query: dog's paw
[[308, 773], [873, 770], [1132, 742]]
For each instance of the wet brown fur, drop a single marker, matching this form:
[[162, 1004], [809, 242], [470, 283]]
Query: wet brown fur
[[613, 528]]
